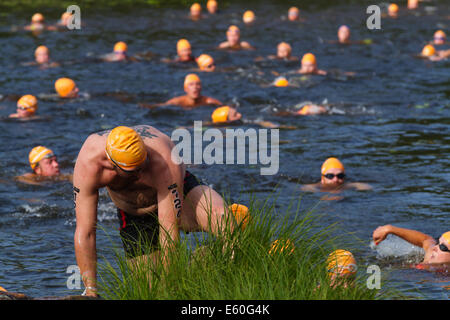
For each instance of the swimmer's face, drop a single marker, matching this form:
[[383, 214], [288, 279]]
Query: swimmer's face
[[195, 13], [333, 177], [309, 67], [293, 15], [185, 54], [193, 89], [343, 34], [439, 256], [42, 57], [283, 52], [233, 37], [438, 40], [48, 167], [24, 113], [234, 115], [120, 55], [73, 93], [212, 7], [413, 4]]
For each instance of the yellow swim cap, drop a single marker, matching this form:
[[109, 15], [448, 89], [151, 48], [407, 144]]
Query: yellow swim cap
[[41, 49], [204, 61], [28, 102], [211, 4], [446, 236], [440, 34], [331, 163], [341, 262], [125, 147], [37, 154], [64, 86], [428, 50], [241, 214], [196, 7], [183, 44], [233, 28], [249, 16], [309, 57], [120, 47], [37, 17], [281, 82], [192, 77], [304, 110], [393, 7], [278, 246], [220, 114], [285, 45]]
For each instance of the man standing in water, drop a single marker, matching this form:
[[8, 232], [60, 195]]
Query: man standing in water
[[155, 196]]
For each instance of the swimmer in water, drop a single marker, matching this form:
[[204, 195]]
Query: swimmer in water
[[206, 63], [227, 115], [284, 52], [344, 34], [429, 52], [293, 14], [413, 4], [66, 88], [234, 40], [193, 97], [437, 251], [119, 53], [439, 38], [333, 180], [66, 17], [309, 65], [212, 6], [393, 10], [42, 56], [341, 267], [26, 107], [37, 23], [155, 197], [196, 11], [248, 17], [44, 165], [184, 53]]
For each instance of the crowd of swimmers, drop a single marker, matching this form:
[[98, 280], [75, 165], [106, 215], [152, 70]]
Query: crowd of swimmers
[[123, 161]]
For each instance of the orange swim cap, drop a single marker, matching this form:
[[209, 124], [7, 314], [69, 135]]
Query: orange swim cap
[[66, 15], [64, 86], [281, 82], [249, 16], [220, 115], [204, 61], [440, 34], [293, 10], [309, 57], [29, 102], [211, 4], [183, 44], [233, 28], [446, 236], [341, 262], [37, 154], [120, 47], [125, 147], [196, 7], [192, 77], [41, 49], [428, 50], [37, 17], [278, 246], [304, 110], [3, 289], [393, 8], [241, 214], [285, 45], [331, 163]]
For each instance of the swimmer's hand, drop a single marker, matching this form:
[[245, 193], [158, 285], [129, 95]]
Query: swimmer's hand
[[380, 233]]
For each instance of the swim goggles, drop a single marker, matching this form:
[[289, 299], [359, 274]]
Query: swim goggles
[[330, 176]]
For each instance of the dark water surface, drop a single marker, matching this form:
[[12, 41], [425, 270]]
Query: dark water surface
[[392, 130]]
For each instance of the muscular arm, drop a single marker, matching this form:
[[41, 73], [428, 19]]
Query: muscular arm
[[414, 237], [85, 198]]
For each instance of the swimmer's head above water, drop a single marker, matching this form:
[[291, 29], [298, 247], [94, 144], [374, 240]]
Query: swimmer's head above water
[[65, 19], [428, 51], [184, 50], [343, 34], [248, 17], [206, 63], [212, 6], [26, 106], [126, 150], [195, 11], [225, 114], [413, 4], [341, 265], [393, 10], [120, 50], [293, 13], [233, 35], [66, 88], [42, 55], [284, 50], [43, 162], [281, 82], [439, 37], [440, 252], [309, 63], [333, 172], [193, 86]]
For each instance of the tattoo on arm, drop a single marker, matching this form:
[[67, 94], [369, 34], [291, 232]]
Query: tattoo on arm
[[177, 200], [75, 191], [144, 132]]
